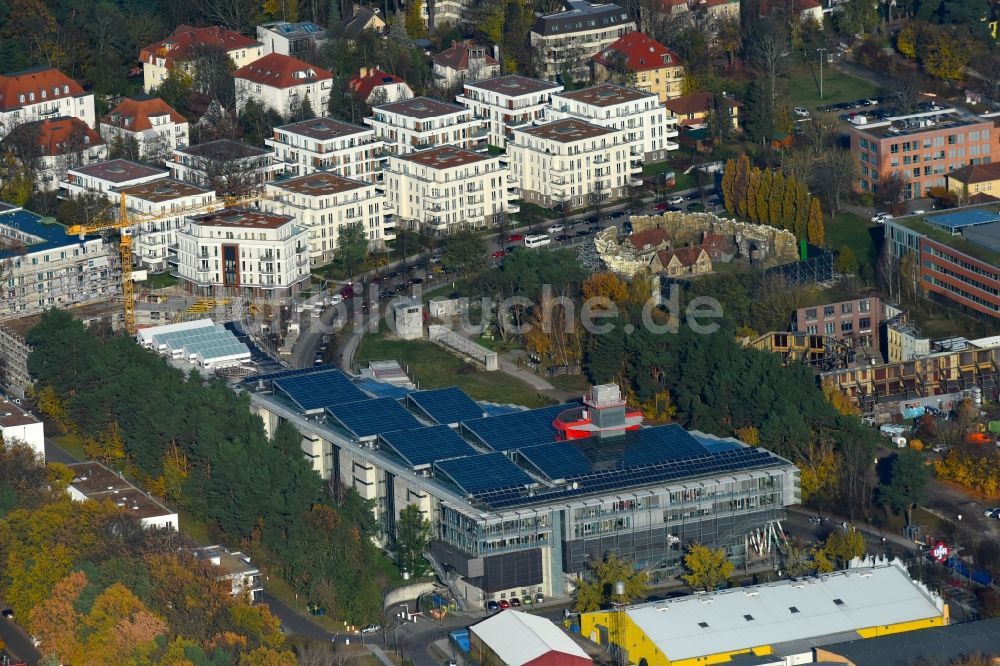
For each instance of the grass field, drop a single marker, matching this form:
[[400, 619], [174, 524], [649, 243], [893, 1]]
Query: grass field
[[803, 86], [158, 281], [432, 367], [853, 231]]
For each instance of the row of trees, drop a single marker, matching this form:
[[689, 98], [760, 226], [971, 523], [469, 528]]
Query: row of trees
[[941, 51], [96, 588], [768, 197], [188, 440]]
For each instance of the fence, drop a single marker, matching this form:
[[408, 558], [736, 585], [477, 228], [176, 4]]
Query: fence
[[463, 347]]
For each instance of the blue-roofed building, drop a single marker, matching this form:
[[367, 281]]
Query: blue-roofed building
[[521, 500], [48, 268]]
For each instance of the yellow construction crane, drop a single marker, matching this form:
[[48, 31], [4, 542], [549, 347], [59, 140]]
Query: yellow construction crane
[[124, 225]]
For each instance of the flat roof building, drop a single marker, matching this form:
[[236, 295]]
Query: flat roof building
[[235, 567], [920, 148], [327, 144], [518, 505], [239, 251], [291, 39], [508, 102], [941, 644], [19, 425], [231, 168], [957, 256], [787, 617], [103, 177], [566, 40], [203, 342], [424, 122], [94, 481]]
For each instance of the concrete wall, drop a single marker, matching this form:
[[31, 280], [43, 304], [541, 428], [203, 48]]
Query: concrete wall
[[406, 593]]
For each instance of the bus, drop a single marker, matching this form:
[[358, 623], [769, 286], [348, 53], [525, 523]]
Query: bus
[[537, 240]]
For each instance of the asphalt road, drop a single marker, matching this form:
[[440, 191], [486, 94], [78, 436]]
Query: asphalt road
[[17, 641]]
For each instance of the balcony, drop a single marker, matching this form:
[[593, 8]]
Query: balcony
[[479, 133], [513, 208], [635, 182]]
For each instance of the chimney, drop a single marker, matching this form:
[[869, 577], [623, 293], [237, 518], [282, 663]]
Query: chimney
[[496, 52], [363, 73]]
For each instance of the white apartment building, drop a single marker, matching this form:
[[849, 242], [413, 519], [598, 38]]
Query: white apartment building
[[65, 143], [446, 188], [180, 49], [639, 114], [93, 481], [160, 208], [570, 162], [237, 251], [507, 102], [55, 270], [566, 41], [423, 122], [229, 167], [103, 177], [40, 93], [155, 127], [291, 39], [283, 83], [17, 425], [325, 144], [324, 203]]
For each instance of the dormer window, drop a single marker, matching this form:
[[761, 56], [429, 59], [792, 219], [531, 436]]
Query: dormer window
[[31, 97], [55, 91], [44, 94], [22, 98], [65, 89]]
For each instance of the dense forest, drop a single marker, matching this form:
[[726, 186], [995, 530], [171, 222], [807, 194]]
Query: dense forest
[[197, 444], [96, 588]]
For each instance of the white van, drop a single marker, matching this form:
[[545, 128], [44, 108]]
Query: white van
[[537, 240]]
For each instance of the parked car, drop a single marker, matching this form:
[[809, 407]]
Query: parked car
[[416, 280], [371, 629], [581, 232], [992, 513], [881, 218], [714, 201], [515, 238], [8, 614], [515, 602], [627, 227], [801, 112], [492, 606], [615, 215], [499, 254], [347, 291], [594, 229], [562, 237], [675, 200], [526, 600], [693, 196], [555, 228], [661, 207], [504, 604], [539, 598], [435, 258]]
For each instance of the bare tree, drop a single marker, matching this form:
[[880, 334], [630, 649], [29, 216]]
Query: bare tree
[[904, 93], [768, 47], [818, 135], [833, 177], [314, 653], [890, 192], [234, 14]]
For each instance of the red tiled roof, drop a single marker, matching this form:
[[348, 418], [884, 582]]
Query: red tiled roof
[[185, 39], [649, 237], [134, 114], [686, 255], [640, 53], [694, 103], [53, 134], [49, 80], [457, 57], [364, 83], [281, 71]]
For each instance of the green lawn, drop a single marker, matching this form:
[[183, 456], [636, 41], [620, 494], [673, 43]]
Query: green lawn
[[72, 445], [433, 367], [577, 383], [196, 530], [803, 86], [853, 231], [158, 281]]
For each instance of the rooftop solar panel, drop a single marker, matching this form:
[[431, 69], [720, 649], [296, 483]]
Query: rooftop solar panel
[[312, 392], [483, 473], [424, 446], [289, 373], [510, 431], [447, 405], [367, 418]]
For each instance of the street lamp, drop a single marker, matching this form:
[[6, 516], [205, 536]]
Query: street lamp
[[821, 51]]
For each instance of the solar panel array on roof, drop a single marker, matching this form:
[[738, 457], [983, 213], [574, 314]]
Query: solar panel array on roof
[[424, 446], [368, 417], [289, 373], [314, 391], [208, 342], [447, 405], [484, 473], [506, 431], [963, 218]]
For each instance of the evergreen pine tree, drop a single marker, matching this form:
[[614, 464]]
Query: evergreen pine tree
[[333, 13], [801, 210]]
